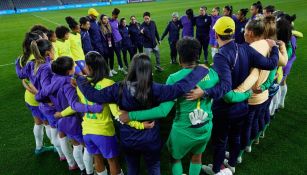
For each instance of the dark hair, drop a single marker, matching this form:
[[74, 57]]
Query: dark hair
[[84, 20], [289, 18], [26, 50], [225, 37], [203, 7], [40, 33], [121, 21], [244, 11], [50, 33], [188, 49], [284, 30], [269, 27], [256, 26], [258, 6], [115, 11], [140, 75], [132, 16], [270, 8], [72, 23], [39, 49], [98, 65], [146, 14], [217, 9], [189, 13], [62, 65], [230, 9], [61, 31], [40, 28]]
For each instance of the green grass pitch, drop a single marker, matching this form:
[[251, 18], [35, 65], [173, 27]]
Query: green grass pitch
[[283, 151]]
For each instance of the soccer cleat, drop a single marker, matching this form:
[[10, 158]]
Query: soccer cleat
[[83, 172], [72, 168], [248, 149], [225, 171], [43, 149], [262, 135], [113, 72], [159, 68], [123, 70], [110, 74], [232, 169], [227, 155], [239, 159], [208, 169], [257, 141]]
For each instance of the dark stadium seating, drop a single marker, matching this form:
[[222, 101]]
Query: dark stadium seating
[[78, 1], [35, 3], [6, 5]]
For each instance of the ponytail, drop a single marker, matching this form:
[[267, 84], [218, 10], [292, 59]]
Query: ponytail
[[26, 51], [39, 49], [230, 9], [258, 6]]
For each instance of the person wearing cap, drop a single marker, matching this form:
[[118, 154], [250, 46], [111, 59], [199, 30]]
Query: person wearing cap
[[151, 36], [173, 29], [232, 63], [117, 39], [203, 23], [94, 31]]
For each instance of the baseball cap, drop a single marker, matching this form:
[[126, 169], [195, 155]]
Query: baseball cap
[[224, 26], [93, 11]]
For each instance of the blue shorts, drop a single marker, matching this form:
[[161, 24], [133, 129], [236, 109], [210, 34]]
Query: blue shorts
[[80, 65], [51, 120], [213, 42], [78, 138], [105, 145], [36, 112]]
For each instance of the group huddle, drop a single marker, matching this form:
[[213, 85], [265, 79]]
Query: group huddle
[[88, 117]]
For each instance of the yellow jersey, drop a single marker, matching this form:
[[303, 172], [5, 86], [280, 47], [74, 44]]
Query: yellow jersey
[[102, 123], [63, 48], [76, 47], [29, 97]]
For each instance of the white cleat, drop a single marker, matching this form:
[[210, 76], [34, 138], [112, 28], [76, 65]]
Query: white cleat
[[232, 169], [248, 149], [208, 169], [113, 72]]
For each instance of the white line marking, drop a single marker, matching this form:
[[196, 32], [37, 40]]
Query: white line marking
[[45, 19], [3, 65]]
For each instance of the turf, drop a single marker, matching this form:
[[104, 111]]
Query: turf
[[283, 151]]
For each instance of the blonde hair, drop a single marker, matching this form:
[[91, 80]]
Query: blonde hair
[[39, 49], [270, 27]]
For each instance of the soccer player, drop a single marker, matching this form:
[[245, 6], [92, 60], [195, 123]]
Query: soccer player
[[240, 26], [256, 10], [75, 45], [135, 35], [62, 44], [268, 10], [127, 45], [187, 23], [215, 15]]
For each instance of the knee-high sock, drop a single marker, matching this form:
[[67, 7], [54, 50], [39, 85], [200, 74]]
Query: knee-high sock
[[88, 162], [67, 150], [55, 141], [283, 90], [38, 131], [194, 169], [78, 155], [48, 132], [177, 168]]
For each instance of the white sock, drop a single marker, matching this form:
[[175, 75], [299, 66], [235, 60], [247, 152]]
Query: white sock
[[55, 141], [48, 132], [78, 155], [67, 150], [278, 99], [38, 131], [214, 51], [271, 108], [88, 161], [283, 90], [105, 172]]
